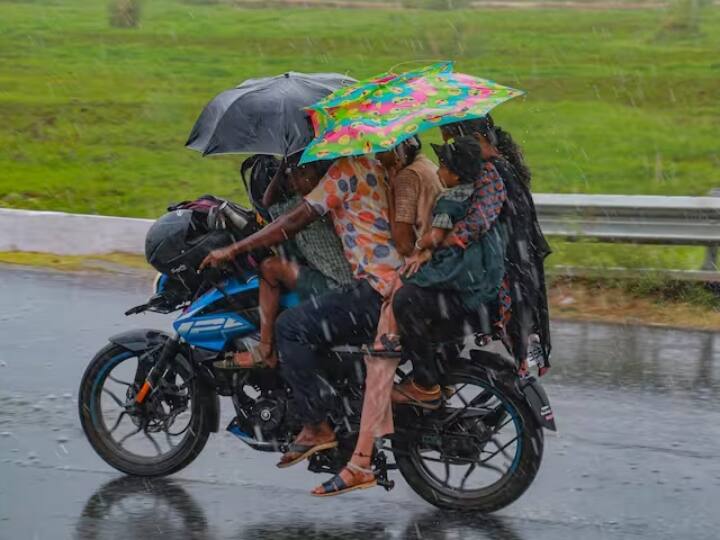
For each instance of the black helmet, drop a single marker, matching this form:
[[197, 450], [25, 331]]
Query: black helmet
[[178, 242]]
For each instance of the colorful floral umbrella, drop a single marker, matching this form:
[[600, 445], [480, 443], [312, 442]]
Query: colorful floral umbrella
[[320, 112], [379, 113]]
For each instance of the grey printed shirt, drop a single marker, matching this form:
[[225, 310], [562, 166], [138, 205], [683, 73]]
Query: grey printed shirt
[[450, 206]]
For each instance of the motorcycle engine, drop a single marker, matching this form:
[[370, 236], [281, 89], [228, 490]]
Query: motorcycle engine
[[267, 415]]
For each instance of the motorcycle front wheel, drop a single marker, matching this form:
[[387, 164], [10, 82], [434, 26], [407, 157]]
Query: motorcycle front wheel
[[160, 437], [479, 452]]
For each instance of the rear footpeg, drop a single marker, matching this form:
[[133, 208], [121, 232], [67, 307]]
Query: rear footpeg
[[387, 484], [381, 469]]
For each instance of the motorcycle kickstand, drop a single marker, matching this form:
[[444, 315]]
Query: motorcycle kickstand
[[381, 469]]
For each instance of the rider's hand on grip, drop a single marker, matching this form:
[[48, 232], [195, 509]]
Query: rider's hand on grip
[[212, 275], [217, 258]]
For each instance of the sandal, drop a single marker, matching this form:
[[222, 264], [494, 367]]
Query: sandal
[[303, 452], [258, 358], [409, 393], [337, 486], [391, 347]]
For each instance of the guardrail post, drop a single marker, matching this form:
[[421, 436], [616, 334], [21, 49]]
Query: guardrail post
[[711, 255]]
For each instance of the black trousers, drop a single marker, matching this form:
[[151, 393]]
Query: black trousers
[[428, 317], [344, 317]]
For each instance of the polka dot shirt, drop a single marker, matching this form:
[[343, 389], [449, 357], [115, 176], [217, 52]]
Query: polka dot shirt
[[354, 192]]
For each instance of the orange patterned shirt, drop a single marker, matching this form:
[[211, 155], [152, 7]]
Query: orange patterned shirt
[[354, 191]]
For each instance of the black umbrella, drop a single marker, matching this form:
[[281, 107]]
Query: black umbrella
[[263, 116]]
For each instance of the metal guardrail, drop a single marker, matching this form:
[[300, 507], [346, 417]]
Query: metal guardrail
[[607, 218], [632, 218], [691, 221]]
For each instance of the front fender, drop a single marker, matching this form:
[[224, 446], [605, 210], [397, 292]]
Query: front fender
[[138, 341]]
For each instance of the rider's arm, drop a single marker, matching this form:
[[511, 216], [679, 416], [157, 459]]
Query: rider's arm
[[322, 199], [286, 226]]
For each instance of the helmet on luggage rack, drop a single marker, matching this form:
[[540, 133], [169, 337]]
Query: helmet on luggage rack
[[178, 242]]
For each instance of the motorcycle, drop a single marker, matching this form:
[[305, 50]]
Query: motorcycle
[[149, 400]]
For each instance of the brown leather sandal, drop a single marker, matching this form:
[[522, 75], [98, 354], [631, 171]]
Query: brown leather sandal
[[300, 452], [409, 393]]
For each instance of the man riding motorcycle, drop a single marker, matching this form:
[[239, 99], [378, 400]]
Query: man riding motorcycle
[[354, 192]]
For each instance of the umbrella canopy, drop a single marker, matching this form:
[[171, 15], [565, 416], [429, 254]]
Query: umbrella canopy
[[263, 116], [377, 114], [322, 112]]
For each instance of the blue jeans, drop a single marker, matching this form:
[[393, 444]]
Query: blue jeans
[[343, 317]]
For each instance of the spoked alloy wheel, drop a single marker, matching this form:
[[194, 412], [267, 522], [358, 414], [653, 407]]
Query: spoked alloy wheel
[[159, 437], [479, 452]]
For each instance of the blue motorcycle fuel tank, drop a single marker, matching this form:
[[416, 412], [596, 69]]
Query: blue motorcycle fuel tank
[[202, 326]]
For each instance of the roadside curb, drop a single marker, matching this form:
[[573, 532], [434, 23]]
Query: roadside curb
[[70, 234]]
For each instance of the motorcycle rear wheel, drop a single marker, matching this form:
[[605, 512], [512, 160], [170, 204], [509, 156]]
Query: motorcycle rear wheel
[[102, 437], [527, 453]]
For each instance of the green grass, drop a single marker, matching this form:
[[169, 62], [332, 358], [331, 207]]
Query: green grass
[[112, 262], [591, 254], [94, 118]]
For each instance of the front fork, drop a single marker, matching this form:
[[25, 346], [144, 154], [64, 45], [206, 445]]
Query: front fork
[[159, 369]]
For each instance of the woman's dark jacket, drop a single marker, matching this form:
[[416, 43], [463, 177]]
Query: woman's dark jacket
[[524, 264]]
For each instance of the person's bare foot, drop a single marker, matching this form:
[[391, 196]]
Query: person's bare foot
[[310, 440], [263, 355]]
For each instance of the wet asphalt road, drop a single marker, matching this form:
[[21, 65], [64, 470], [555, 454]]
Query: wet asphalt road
[[638, 454]]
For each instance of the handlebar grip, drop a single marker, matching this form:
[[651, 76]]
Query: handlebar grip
[[137, 309]]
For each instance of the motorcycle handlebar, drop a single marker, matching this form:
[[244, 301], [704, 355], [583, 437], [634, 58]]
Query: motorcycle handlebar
[[137, 309]]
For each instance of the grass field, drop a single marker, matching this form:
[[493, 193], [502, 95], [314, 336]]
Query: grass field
[[94, 118]]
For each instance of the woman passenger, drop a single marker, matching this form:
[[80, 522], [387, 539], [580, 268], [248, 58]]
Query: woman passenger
[[428, 316], [472, 288], [523, 297], [457, 268], [414, 186]]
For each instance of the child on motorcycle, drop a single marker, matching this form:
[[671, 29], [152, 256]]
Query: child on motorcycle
[[311, 265], [472, 269], [442, 261]]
